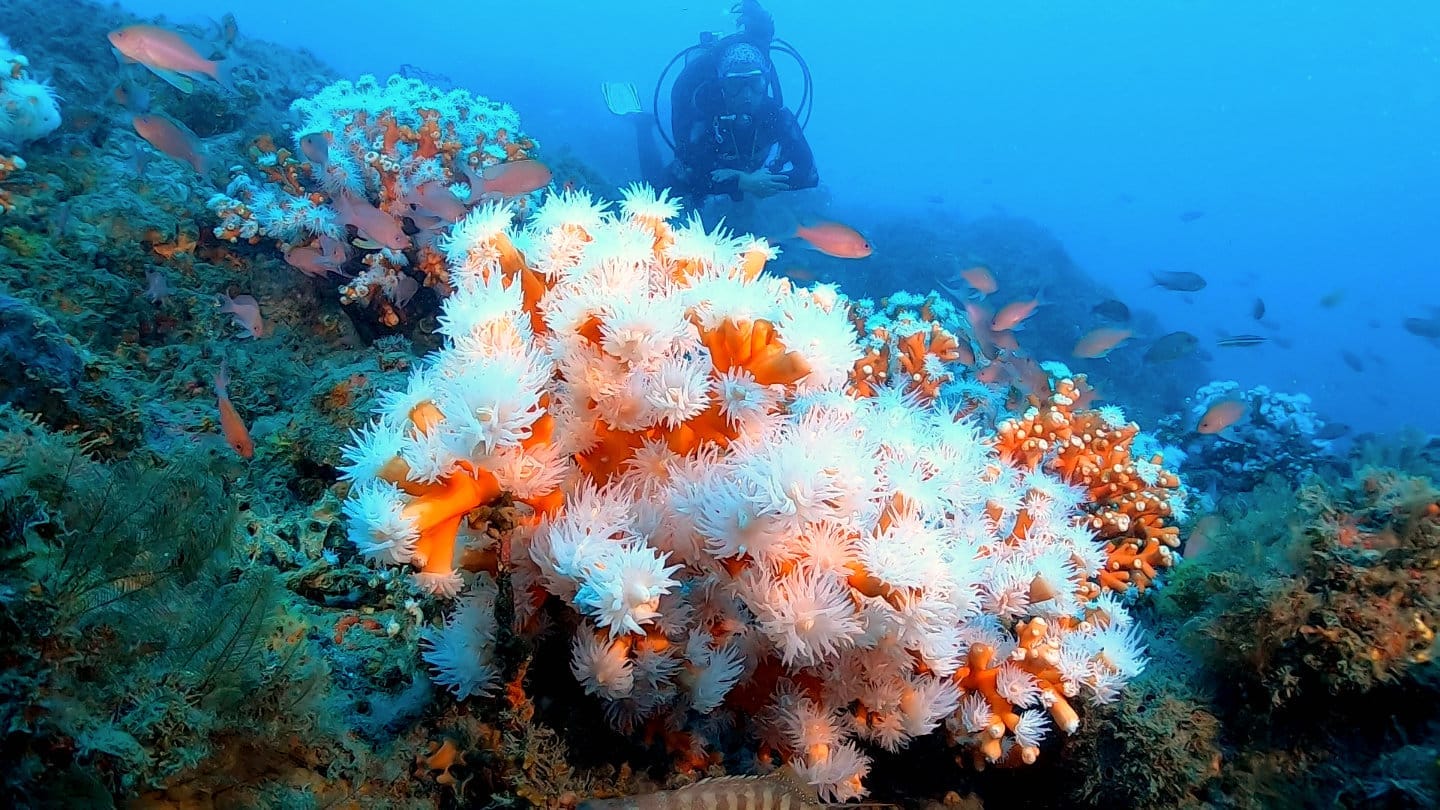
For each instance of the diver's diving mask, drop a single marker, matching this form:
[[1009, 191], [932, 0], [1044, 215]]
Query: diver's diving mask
[[736, 84]]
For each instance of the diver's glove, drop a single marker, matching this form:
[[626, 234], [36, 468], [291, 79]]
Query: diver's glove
[[754, 20]]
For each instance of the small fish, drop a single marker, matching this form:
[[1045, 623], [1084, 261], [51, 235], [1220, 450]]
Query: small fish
[[981, 279], [319, 261], [1012, 315], [1220, 415], [174, 139], [510, 179], [1332, 431], [835, 239], [1099, 342], [157, 287], [139, 158], [246, 312], [131, 96], [1172, 347], [229, 31], [1202, 536], [170, 56], [1257, 309], [1191, 216], [433, 198], [1423, 327], [232, 427], [1178, 280], [781, 790], [979, 317], [1112, 310], [403, 289], [1241, 341], [802, 275], [316, 148], [370, 222], [1332, 299], [994, 373], [1352, 360]]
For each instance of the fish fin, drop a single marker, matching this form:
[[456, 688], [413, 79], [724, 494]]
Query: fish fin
[[788, 776], [179, 81], [225, 74], [222, 379], [365, 244], [955, 295]]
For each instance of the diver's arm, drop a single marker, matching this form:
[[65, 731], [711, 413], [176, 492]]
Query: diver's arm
[[795, 151]]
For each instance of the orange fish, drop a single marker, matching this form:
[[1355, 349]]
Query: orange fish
[[515, 177], [993, 374], [835, 239], [169, 56], [1202, 535], [1013, 314], [981, 279], [172, 138], [231, 426], [1098, 342], [1220, 415]]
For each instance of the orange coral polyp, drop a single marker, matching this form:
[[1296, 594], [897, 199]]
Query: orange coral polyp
[[754, 347], [708, 426], [425, 416], [752, 263]]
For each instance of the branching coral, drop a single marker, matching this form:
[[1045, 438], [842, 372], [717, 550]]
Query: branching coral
[[1128, 502]]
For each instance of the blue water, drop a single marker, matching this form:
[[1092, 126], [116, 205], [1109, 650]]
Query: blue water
[[1305, 132]]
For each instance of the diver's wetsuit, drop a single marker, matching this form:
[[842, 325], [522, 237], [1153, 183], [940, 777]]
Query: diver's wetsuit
[[769, 138]]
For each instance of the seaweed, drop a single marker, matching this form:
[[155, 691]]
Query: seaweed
[[141, 651]]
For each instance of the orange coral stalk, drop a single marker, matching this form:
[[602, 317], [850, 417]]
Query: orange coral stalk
[[452, 498], [436, 547], [605, 459]]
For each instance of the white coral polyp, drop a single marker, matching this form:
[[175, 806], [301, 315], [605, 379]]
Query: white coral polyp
[[378, 525], [622, 586]]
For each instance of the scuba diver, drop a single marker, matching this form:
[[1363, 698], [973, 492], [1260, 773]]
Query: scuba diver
[[732, 133]]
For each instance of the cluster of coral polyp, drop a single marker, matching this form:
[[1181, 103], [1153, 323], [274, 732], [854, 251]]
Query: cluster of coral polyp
[[1129, 503], [743, 541], [407, 157]]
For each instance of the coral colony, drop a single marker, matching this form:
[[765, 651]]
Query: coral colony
[[368, 155], [751, 521]]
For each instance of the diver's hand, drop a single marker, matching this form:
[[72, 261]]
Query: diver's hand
[[763, 183], [724, 175], [752, 18]]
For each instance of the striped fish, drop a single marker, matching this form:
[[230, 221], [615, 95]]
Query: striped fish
[[781, 790], [1240, 341]]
